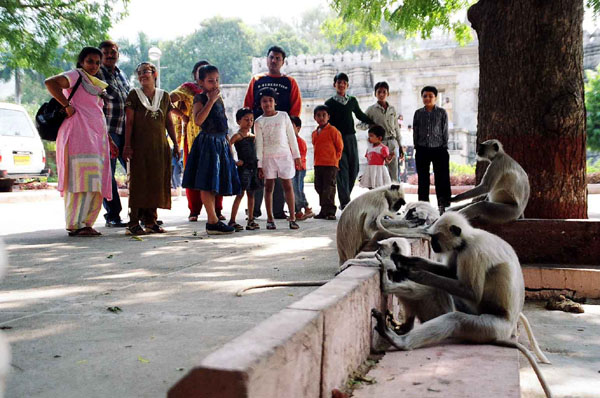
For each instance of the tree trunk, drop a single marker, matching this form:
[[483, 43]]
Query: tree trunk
[[531, 96], [18, 90]]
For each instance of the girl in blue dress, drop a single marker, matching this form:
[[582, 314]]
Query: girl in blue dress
[[210, 166]]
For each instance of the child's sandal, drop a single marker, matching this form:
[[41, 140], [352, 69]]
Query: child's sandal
[[235, 225], [271, 225], [294, 225], [252, 226]]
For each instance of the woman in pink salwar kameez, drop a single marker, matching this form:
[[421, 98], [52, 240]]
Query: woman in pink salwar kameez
[[83, 147]]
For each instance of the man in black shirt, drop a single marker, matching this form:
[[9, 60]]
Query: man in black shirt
[[430, 136]]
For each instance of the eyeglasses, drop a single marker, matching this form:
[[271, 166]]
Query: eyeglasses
[[145, 71]]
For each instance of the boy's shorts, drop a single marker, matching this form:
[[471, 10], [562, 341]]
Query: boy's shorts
[[279, 167]]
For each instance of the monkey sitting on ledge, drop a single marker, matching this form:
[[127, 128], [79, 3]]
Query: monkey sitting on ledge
[[484, 272]]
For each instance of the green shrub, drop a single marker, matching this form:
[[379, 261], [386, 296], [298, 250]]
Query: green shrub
[[310, 176], [593, 167], [461, 169]]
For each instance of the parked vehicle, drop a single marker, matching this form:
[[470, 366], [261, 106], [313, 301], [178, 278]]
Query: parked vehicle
[[21, 149]]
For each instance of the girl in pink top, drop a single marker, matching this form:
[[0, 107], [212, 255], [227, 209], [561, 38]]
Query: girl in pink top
[[378, 155], [82, 144]]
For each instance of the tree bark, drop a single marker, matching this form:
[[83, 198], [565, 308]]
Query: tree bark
[[18, 90], [531, 96]]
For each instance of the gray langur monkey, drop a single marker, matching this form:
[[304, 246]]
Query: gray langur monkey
[[487, 277], [371, 217], [420, 213], [418, 301], [503, 192], [361, 226], [415, 218], [361, 218]]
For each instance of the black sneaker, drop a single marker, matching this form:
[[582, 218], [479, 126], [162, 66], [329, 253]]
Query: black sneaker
[[115, 224], [219, 229], [282, 216]]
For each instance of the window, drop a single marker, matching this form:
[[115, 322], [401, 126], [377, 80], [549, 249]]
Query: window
[[15, 124]]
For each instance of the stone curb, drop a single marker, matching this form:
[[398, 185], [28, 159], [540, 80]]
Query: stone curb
[[46, 194], [304, 351], [313, 345], [544, 282]]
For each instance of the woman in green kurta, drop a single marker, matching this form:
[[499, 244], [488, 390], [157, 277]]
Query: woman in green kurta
[[147, 116]]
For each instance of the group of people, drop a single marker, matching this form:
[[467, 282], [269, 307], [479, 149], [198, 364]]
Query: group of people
[[107, 121]]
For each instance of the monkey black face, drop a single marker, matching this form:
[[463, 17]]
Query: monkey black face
[[435, 243], [441, 243], [398, 204], [488, 149]]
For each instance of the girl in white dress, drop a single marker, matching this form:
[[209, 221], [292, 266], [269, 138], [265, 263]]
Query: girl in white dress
[[378, 155], [277, 153]]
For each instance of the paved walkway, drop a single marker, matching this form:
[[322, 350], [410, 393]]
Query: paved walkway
[[176, 293]]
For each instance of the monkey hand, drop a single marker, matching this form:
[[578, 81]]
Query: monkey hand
[[386, 264], [404, 261], [418, 276], [398, 275]]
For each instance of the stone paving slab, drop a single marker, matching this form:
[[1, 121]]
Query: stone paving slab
[[449, 371]]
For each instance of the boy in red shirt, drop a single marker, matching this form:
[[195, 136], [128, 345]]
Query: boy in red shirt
[[298, 181], [328, 146]]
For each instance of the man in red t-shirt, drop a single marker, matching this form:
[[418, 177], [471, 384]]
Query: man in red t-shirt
[[288, 100]]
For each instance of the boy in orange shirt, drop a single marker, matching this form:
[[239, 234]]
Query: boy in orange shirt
[[328, 146]]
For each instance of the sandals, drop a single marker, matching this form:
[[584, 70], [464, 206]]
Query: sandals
[[252, 226], [85, 231], [294, 225], [235, 225], [135, 230], [271, 225], [308, 213], [154, 229], [193, 218]]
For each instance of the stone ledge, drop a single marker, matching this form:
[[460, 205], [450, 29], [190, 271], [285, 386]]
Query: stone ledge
[[281, 357], [346, 304], [539, 241], [313, 345], [450, 370], [542, 282], [306, 350], [299, 352]]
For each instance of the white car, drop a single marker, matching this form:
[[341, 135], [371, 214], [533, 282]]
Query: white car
[[21, 150]]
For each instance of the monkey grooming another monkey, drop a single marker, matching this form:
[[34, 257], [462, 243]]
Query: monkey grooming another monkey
[[488, 279], [371, 217], [503, 192]]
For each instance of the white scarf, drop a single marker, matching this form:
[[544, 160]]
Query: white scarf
[[153, 108]]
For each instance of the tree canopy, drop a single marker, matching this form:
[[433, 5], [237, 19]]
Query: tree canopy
[[32, 31]]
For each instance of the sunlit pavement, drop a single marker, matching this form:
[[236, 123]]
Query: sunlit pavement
[[174, 295]]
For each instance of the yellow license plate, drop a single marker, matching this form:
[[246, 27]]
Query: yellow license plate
[[22, 160]]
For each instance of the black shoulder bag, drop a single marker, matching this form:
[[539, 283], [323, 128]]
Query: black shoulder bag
[[51, 115]]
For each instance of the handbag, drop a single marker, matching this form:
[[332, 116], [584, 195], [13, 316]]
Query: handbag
[[51, 115]]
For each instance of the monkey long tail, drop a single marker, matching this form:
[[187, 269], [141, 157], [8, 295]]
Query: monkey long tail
[[531, 360], [536, 348], [241, 292]]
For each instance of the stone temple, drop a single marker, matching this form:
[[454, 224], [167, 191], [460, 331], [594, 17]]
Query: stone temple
[[454, 70]]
